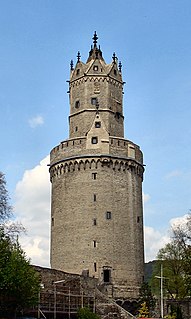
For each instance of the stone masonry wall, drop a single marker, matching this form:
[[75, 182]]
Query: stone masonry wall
[[78, 202]]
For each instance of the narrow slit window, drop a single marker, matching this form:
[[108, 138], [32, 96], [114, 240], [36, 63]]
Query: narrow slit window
[[95, 197], [94, 221], [94, 175], [94, 243], [95, 267], [108, 215]]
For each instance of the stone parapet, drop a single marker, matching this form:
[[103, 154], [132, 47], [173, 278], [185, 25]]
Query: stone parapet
[[77, 146]]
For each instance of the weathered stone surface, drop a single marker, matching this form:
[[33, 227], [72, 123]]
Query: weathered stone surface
[[96, 175]]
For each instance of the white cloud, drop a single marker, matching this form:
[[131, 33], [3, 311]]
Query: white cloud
[[154, 240], [174, 222], [146, 198], [36, 121], [172, 174], [32, 208]]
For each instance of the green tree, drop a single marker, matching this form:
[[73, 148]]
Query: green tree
[[9, 227], [145, 295], [5, 208], [173, 270], [182, 238], [19, 282], [176, 259], [86, 313]]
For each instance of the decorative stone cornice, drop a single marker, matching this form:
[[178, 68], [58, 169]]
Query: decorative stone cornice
[[77, 163], [97, 78]]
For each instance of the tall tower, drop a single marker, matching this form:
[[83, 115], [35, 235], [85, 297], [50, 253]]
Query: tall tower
[[96, 175]]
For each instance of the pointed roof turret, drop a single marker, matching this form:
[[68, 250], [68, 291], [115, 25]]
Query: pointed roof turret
[[95, 52]]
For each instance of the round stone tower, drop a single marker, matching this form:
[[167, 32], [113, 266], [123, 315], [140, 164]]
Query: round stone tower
[[96, 175]]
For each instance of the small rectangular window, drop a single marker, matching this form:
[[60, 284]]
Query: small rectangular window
[[94, 140], [94, 221], [94, 100], [77, 104], [95, 267], [52, 221], [97, 124], [138, 219], [94, 175], [108, 215], [94, 243], [95, 198]]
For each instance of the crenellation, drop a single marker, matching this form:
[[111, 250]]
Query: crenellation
[[77, 146]]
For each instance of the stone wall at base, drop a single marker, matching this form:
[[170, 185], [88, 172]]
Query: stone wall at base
[[74, 292]]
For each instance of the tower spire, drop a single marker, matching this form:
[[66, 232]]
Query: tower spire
[[95, 52]]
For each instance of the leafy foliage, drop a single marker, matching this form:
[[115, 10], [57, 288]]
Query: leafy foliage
[[176, 259], [9, 228], [5, 208], [86, 313], [19, 282], [146, 296], [144, 311]]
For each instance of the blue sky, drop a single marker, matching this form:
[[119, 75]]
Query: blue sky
[[38, 38]]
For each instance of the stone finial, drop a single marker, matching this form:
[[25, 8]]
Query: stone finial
[[78, 56], [114, 57], [95, 38], [71, 65]]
